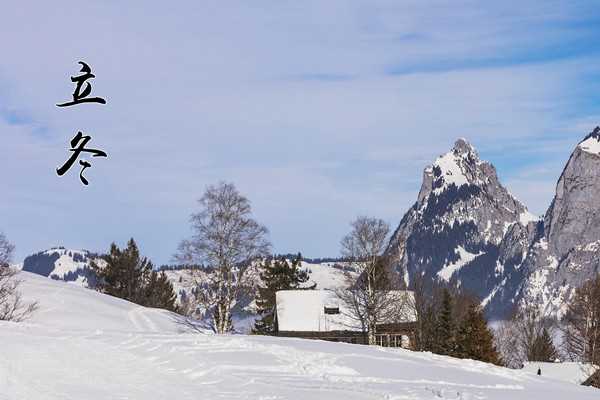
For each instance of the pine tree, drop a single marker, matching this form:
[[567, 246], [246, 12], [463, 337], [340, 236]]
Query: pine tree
[[124, 272], [159, 292], [474, 340], [128, 275], [276, 274], [543, 349], [444, 341]]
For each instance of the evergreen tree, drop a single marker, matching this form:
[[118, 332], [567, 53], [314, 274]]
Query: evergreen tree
[[276, 274], [159, 292], [543, 348], [128, 275], [474, 339], [124, 272], [444, 341]]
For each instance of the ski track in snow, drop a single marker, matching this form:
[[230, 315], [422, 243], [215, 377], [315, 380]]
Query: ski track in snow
[[140, 319], [122, 351]]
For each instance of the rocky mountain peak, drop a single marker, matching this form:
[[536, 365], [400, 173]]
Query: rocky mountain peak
[[567, 250], [574, 216], [465, 227], [591, 143], [460, 166], [461, 146]]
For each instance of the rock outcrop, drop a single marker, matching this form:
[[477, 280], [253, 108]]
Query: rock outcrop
[[567, 250], [465, 229]]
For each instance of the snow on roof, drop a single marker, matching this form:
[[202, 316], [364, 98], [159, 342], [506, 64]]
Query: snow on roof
[[304, 311]]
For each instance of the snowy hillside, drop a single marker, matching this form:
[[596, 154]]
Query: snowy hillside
[[64, 305], [572, 372], [325, 276], [63, 264], [85, 345]]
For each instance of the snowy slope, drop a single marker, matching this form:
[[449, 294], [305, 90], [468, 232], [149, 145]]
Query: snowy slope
[[68, 306], [63, 264], [85, 345], [572, 372], [326, 275]]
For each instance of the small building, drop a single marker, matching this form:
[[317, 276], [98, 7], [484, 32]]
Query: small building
[[322, 314]]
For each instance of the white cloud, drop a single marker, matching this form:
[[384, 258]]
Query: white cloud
[[293, 102]]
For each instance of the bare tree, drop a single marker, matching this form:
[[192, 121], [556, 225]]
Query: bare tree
[[508, 344], [11, 305], [518, 338], [582, 324], [368, 297], [6, 250], [424, 305], [227, 239]]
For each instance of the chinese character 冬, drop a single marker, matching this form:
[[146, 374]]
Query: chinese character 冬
[[77, 147], [79, 95]]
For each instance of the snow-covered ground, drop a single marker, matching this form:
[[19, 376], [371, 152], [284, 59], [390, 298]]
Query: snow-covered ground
[[326, 275], [572, 372], [85, 345]]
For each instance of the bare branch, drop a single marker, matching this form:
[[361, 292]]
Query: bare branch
[[227, 239], [11, 304]]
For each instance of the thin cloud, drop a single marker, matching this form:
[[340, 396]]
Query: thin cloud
[[295, 103]]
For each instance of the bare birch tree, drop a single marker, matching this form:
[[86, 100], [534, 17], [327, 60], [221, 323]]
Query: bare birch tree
[[368, 297], [227, 240], [11, 304]]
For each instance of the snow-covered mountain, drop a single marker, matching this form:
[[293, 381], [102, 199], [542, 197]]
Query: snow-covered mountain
[[81, 344], [465, 228], [566, 251], [63, 264]]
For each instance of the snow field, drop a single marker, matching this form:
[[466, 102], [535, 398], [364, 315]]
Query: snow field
[[85, 345]]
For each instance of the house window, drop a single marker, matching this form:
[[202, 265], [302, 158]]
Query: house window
[[332, 310]]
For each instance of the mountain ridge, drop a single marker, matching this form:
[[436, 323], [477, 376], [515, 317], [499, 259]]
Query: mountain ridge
[[468, 230]]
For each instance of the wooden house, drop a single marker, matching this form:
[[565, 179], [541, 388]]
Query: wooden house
[[321, 314]]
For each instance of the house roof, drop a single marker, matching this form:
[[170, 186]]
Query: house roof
[[304, 311]]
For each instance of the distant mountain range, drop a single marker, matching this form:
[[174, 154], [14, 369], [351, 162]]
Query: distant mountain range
[[63, 264], [466, 229]]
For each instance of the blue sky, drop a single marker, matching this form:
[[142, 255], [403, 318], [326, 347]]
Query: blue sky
[[317, 111]]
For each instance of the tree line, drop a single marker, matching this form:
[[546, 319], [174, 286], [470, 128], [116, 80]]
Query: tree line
[[230, 251]]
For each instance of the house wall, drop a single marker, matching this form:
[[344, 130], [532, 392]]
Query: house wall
[[389, 335]]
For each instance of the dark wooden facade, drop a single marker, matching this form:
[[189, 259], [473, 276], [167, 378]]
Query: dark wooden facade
[[388, 335]]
